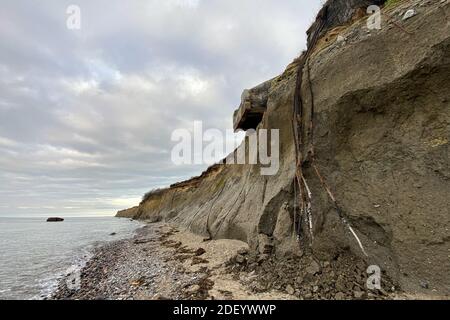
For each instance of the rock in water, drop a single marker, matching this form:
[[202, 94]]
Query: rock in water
[[55, 219]]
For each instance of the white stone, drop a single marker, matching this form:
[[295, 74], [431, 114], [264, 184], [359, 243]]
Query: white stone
[[340, 38], [409, 14]]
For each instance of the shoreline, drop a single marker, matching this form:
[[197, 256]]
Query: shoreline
[[33, 265], [120, 270], [80, 261], [160, 263]]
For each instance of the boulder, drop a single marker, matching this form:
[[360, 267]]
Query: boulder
[[313, 268]]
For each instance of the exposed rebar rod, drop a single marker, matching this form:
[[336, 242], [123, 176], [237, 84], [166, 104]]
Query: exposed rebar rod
[[339, 209]]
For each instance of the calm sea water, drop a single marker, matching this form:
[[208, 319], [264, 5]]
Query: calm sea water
[[34, 253]]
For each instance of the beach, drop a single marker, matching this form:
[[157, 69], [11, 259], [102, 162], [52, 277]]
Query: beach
[[162, 262]]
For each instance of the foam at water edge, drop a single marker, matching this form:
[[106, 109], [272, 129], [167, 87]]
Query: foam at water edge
[[50, 284]]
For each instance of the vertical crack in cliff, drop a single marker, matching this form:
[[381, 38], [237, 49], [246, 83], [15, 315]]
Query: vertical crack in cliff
[[322, 25]]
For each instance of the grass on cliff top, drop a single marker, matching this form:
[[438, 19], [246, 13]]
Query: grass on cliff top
[[147, 196], [390, 3], [220, 184]]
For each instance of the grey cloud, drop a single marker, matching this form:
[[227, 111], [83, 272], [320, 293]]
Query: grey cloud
[[86, 115]]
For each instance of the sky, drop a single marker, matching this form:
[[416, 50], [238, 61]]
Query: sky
[[86, 115]]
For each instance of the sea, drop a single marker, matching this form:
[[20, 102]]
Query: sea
[[35, 254]]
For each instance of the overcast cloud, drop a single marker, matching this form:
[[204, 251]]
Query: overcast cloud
[[86, 115]]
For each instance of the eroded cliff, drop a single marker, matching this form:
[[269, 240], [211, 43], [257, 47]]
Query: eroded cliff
[[381, 141]]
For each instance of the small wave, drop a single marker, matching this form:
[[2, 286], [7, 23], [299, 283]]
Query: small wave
[[50, 284], [34, 266]]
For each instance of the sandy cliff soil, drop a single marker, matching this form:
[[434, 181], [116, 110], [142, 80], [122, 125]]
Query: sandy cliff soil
[[381, 138]]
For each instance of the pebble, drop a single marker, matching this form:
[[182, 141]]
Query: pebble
[[262, 257], [424, 285], [200, 251], [290, 290], [313, 268], [339, 296], [242, 251], [239, 258], [120, 270], [340, 39], [193, 289]]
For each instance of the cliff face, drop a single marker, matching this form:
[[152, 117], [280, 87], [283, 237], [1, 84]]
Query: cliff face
[[381, 141]]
